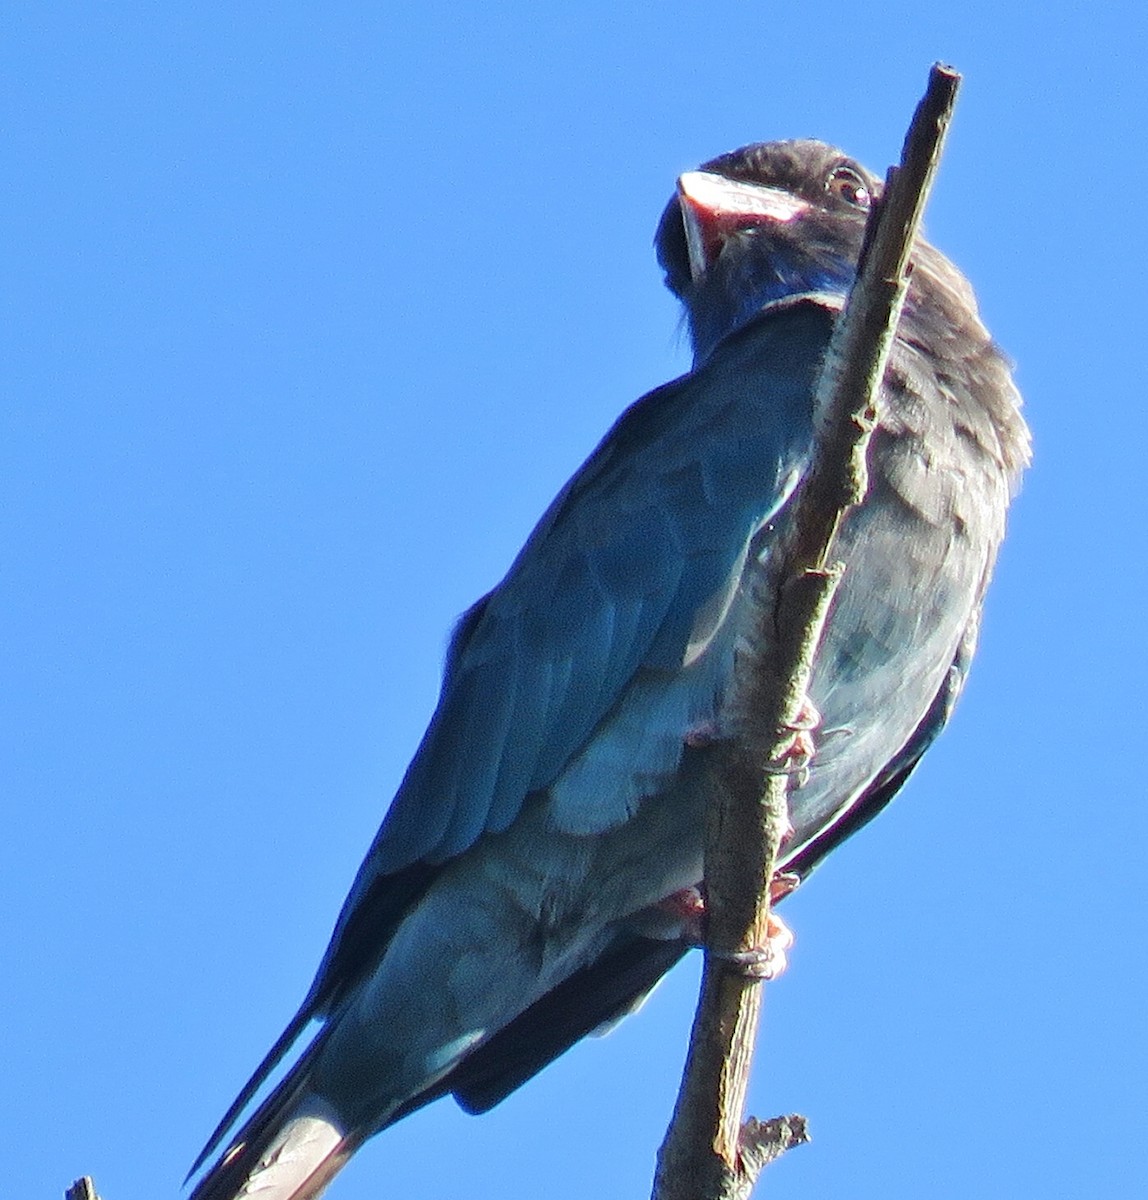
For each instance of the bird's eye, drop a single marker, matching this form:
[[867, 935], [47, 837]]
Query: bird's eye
[[846, 184]]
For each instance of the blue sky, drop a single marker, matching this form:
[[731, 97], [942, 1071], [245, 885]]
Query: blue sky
[[310, 310]]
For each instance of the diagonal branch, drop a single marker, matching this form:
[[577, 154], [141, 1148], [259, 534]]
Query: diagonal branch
[[707, 1153]]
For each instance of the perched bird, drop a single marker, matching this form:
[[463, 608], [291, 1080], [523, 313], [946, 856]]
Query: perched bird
[[521, 891]]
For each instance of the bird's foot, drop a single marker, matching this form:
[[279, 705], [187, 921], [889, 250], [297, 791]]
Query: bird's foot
[[689, 907], [794, 760], [807, 716], [784, 883], [765, 962]]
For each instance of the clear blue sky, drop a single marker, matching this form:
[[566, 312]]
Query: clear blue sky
[[310, 309]]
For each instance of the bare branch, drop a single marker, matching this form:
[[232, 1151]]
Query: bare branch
[[707, 1153], [82, 1189]]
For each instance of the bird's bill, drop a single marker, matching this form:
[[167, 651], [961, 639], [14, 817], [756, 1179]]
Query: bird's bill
[[713, 207]]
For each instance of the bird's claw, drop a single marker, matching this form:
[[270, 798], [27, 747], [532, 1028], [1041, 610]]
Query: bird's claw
[[688, 906], [761, 962], [807, 719], [766, 962], [794, 760], [783, 884]]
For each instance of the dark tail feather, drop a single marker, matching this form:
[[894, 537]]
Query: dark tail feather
[[286, 1040], [293, 1143]]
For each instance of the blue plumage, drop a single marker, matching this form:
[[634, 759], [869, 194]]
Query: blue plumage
[[511, 900]]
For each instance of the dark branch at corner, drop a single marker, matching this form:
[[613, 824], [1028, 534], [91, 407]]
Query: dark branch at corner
[[82, 1189]]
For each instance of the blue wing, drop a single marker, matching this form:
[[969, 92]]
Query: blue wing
[[626, 571], [631, 567], [625, 580]]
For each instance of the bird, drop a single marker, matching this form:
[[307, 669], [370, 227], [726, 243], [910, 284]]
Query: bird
[[520, 893]]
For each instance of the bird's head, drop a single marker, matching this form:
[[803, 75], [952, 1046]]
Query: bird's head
[[763, 222]]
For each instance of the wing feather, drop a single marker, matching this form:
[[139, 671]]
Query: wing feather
[[615, 595], [629, 571]]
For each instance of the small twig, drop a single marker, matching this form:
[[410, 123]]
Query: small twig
[[707, 1153], [82, 1189]]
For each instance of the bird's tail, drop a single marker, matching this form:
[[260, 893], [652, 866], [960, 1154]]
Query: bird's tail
[[291, 1148]]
